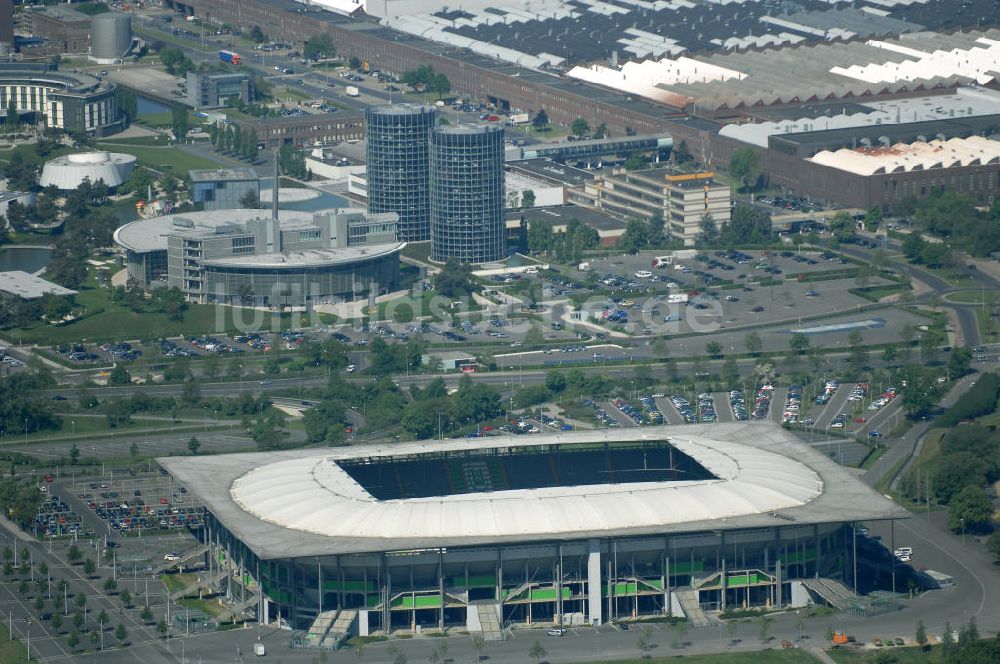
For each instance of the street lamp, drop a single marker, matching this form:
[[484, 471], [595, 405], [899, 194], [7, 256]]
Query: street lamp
[[962, 519]]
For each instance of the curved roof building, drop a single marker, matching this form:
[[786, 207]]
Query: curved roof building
[[537, 527], [248, 257], [69, 101], [69, 171]]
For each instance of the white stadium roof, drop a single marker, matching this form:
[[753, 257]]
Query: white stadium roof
[[299, 503]]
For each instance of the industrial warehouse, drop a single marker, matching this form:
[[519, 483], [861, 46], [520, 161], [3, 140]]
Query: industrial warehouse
[[576, 528]]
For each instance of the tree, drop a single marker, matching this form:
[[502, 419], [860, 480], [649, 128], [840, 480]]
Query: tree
[[146, 615], [993, 544], [753, 343], [636, 161], [121, 633], [540, 120], [970, 509], [959, 362], [73, 555], [318, 46], [527, 199], [13, 120], [709, 230], [454, 280], [74, 640], [78, 619], [799, 343], [921, 635], [913, 247], [635, 238], [126, 597], [179, 123], [194, 445], [579, 127], [110, 585], [713, 348], [257, 34], [743, 166], [119, 375], [89, 567], [873, 218], [56, 622], [555, 381], [161, 627], [537, 651], [842, 227]]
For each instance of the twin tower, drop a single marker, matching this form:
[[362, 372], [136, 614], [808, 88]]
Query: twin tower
[[446, 183]]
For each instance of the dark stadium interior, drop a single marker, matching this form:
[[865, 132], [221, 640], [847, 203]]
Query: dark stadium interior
[[477, 471]]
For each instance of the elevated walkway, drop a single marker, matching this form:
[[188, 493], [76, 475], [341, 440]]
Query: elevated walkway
[[185, 557], [233, 611], [489, 620], [835, 593], [688, 599], [320, 627], [202, 581], [340, 629]]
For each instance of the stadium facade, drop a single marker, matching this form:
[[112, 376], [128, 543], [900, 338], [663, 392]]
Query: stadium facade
[[576, 528]]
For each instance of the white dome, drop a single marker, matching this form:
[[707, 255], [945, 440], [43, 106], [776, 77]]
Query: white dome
[[69, 171]]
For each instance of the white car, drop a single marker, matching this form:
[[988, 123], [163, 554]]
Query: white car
[[171, 557], [351, 368], [643, 274], [556, 632]]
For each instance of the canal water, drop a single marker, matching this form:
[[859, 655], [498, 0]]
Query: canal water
[[26, 259]]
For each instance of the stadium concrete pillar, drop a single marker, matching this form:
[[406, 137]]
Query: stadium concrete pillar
[[594, 581], [558, 575], [441, 588], [722, 576], [319, 585], [767, 567], [386, 595], [778, 583], [816, 548]]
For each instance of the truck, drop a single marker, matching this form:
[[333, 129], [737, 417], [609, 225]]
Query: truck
[[352, 91], [677, 298], [230, 57], [519, 118], [259, 650]]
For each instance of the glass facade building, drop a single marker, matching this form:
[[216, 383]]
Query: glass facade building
[[223, 189], [467, 193], [398, 166]]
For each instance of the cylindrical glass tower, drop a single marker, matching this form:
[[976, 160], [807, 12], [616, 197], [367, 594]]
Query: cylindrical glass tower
[[398, 172], [467, 193]]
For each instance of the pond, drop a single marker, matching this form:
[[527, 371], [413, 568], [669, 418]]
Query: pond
[[27, 259]]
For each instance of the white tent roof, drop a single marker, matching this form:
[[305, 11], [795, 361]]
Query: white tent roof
[[904, 157]]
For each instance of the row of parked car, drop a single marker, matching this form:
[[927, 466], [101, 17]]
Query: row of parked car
[[683, 407], [738, 404], [762, 402], [599, 413], [55, 519], [651, 410], [706, 407], [630, 411], [793, 405]]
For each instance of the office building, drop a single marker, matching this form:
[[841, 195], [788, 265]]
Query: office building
[[7, 23], [265, 259], [66, 29], [223, 188], [398, 165], [467, 193], [73, 102], [304, 131], [215, 89], [682, 200]]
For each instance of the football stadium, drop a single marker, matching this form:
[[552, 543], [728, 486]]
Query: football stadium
[[577, 528]]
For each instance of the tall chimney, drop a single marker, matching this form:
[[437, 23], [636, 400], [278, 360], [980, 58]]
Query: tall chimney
[[275, 226]]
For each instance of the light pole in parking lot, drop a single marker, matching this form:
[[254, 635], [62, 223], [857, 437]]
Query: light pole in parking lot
[[962, 519]]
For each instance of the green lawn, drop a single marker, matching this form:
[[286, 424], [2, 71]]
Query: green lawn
[[908, 655], [764, 657], [974, 297], [11, 651], [419, 251], [170, 159]]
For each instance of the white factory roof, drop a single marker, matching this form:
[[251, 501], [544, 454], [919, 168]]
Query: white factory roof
[[645, 78], [69, 171], [904, 157], [964, 102], [980, 61], [302, 503], [28, 286]]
